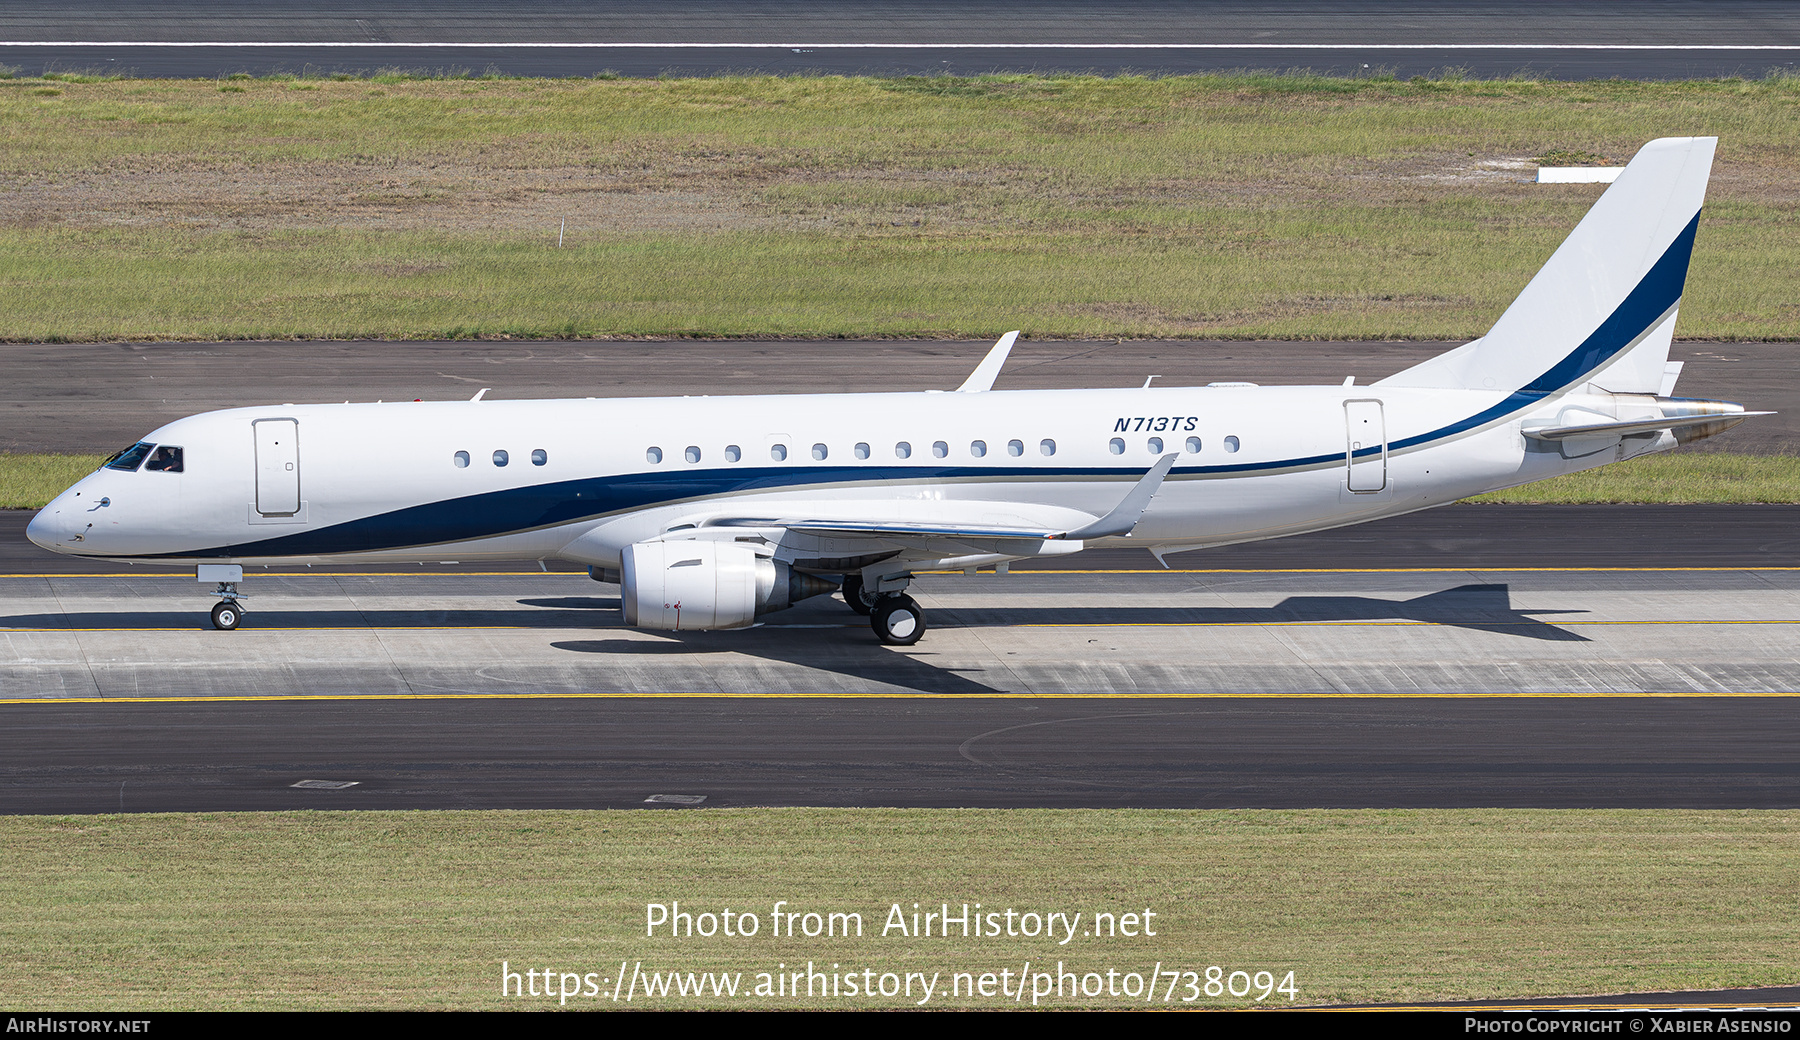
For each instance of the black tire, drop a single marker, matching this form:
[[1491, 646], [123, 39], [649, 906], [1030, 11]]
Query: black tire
[[897, 620], [225, 616], [852, 590]]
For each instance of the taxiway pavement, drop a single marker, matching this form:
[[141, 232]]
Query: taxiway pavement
[[1580, 39]]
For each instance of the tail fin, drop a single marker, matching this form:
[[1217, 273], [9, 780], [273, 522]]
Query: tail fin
[[1603, 309]]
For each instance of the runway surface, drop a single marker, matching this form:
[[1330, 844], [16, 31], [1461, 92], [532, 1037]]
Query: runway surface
[[99, 397], [1577, 40]]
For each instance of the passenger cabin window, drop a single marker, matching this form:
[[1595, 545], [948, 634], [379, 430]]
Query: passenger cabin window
[[862, 450], [1015, 448], [539, 456], [166, 458], [692, 454], [1046, 447], [1193, 445], [733, 453], [1116, 446], [778, 452], [940, 449], [1154, 444], [653, 455], [461, 459], [819, 452], [903, 450], [1231, 444], [501, 458], [129, 459], [978, 448]]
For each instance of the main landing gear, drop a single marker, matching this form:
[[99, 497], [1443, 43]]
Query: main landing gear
[[895, 617], [897, 620]]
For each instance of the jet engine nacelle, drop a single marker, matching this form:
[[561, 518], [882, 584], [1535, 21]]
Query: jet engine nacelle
[[692, 586]]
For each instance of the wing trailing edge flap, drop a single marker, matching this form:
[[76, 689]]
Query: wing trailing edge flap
[[1024, 540]]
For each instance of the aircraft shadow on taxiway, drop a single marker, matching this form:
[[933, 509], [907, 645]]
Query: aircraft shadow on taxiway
[[849, 647], [1486, 608]]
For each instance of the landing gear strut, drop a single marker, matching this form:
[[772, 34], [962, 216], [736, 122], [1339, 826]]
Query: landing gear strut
[[897, 620]]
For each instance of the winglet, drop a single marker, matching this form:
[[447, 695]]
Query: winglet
[[1125, 515], [982, 379]]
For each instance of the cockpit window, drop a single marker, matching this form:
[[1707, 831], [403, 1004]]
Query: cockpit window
[[130, 458], [166, 458]]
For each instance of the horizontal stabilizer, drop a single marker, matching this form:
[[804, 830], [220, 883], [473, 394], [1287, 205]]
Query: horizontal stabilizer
[[1628, 427]]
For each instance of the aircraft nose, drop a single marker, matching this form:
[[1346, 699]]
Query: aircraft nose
[[45, 528]]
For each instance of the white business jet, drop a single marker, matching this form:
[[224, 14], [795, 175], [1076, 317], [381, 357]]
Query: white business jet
[[711, 512]]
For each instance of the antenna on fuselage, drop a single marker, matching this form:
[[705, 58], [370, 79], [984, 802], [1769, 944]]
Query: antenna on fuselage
[[479, 392]]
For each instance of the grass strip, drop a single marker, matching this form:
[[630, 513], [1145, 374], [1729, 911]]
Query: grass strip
[[31, 481], [1217, 206], [1682, 478], [420, 909]]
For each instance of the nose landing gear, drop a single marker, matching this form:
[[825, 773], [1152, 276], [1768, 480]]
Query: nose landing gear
[[226, 614], [228, 611]]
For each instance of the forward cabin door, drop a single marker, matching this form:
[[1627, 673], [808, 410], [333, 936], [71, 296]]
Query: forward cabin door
[[277, 466], [1365, 453]]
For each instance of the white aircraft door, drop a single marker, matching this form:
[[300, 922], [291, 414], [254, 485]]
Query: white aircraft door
[[277, 466], [1365, 428]]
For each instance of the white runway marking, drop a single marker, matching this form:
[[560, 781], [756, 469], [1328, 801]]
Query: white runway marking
[[352, 44]]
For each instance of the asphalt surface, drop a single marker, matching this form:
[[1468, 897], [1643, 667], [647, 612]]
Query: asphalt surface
[[1577, 40], [601, 753], [99, 397]]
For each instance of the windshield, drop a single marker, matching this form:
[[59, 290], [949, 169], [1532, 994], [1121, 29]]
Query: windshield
[[130, 458]]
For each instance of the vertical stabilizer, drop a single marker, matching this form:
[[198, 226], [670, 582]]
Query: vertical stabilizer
[[1603, 309]]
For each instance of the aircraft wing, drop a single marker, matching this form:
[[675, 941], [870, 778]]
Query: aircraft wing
[[1066, 526]]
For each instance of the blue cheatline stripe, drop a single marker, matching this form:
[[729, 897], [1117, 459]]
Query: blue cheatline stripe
[[547, 505]]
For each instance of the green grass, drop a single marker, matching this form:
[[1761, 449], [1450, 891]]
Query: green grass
[[1249, 206], [31, 481], [399, 909], [1680, 478]]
